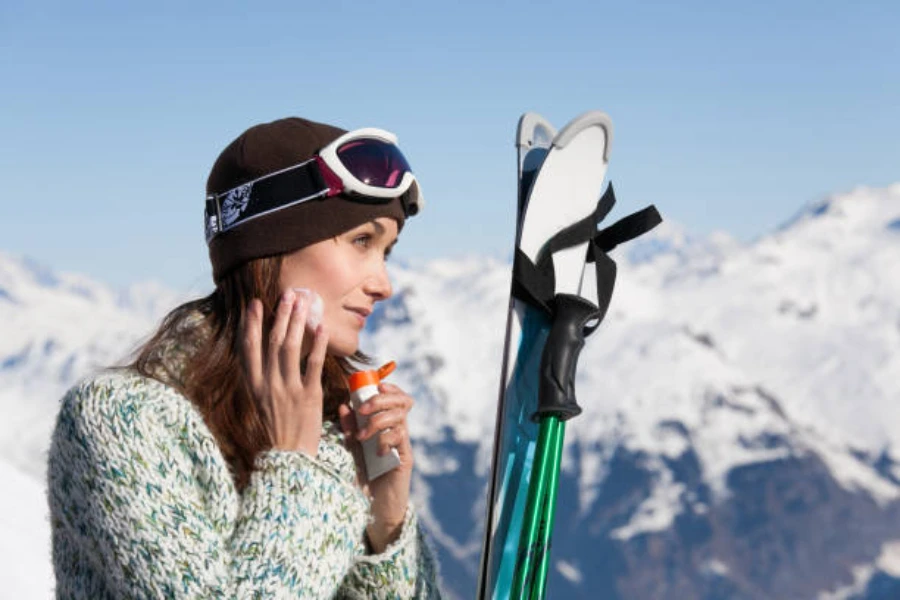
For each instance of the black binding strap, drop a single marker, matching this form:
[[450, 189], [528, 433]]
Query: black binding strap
[[535, 283], [580, 231], [626, 229], [532, 285]]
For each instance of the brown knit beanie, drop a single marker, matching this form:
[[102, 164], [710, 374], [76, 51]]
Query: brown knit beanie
[[262, 150]]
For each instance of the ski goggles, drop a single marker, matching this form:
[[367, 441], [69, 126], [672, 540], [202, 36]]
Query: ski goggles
[[363, 165]]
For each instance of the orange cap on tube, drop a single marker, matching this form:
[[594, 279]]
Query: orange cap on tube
[[364, 378]]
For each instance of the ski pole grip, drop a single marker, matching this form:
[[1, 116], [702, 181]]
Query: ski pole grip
[[556, 394]]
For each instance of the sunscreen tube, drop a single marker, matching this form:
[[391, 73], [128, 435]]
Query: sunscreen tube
[[364, 385]]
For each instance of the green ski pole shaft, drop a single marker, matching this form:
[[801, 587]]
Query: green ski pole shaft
[[533, 518], [548, 512]]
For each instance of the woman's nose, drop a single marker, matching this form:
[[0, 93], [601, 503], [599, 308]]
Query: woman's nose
[[378, 284]]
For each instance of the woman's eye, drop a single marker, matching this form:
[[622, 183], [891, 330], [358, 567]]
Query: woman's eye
[[362, 240]]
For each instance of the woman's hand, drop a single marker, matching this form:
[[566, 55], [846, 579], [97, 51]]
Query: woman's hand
[[291, 402], [387, 414]]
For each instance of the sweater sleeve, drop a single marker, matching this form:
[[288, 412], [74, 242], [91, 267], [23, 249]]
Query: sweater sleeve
[[405, 569], [135, 513]]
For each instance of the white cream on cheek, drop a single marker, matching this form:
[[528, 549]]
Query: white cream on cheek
[[316, 307]]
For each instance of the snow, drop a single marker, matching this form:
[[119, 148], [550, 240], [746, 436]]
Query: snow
[[808, 317], [656, 512], [889, 560], [59, 328], [25, 567], [569, 571], [852, 474], [861, 576], [715, 566]]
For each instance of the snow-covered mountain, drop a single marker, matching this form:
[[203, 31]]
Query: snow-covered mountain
[[741, 427], [54, 329]]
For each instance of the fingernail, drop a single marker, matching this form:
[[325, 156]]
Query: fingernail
[[287, 297]]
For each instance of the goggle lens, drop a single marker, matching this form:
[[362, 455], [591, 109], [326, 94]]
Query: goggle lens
[[374, 162]]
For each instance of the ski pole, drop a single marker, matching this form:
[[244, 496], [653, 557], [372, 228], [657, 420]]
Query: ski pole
[[549, 512], [556, 404], [535, 528]]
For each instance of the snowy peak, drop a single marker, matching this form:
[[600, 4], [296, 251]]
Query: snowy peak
[[58, 328], [29, 284], [672, 240], [874, 211]]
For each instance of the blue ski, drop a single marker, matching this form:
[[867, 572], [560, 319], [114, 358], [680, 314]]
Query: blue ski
[[559, 182]]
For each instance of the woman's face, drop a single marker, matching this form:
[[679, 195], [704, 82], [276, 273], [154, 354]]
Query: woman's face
[[349, 273]]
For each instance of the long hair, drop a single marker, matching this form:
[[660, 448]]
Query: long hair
[[207, 368]]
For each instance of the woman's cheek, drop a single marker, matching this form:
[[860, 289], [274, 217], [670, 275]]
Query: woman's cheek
[[316, 311]]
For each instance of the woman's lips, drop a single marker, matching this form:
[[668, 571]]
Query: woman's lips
[[360, 314]]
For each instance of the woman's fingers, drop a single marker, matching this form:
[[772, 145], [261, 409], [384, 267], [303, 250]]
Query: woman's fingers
[[278, 333], [289, 356], [386, 411], [396, 437], [252, 345], [291, 409], [316, 360], [347, 419], [386, 400], [388, 419]]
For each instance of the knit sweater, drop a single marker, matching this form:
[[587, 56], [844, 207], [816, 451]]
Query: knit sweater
[[143, 505]]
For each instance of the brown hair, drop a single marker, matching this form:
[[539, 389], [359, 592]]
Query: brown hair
[[209, 370]]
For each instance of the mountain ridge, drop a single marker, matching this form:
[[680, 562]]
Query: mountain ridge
[[738, 398]]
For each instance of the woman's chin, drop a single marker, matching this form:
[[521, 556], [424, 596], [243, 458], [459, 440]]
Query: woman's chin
[[343, 348]]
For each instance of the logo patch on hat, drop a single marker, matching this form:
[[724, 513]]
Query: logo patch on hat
[[235, 203]]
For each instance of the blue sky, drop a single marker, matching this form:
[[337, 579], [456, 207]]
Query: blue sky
[[727, 117]]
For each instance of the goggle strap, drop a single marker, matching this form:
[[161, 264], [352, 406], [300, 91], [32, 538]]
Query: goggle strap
[[330, 180], [260, 197]]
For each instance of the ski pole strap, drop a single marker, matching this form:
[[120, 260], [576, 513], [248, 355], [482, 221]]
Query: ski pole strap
[[580, 231], [534, 283], [626, 229], [605, 271], [572, 317]]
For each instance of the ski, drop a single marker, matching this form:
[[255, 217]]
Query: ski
[[551, 175], [556, 236], [513, 444]]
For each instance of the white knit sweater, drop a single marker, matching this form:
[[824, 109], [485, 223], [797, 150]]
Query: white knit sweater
[[143, 506]]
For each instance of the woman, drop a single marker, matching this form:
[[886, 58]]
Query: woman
[[221, 463]]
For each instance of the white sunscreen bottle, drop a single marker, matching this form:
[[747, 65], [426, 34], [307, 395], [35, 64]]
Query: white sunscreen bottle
[[364, 385]]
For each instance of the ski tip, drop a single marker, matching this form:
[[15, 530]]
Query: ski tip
[[532, 126], [592, 118]]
